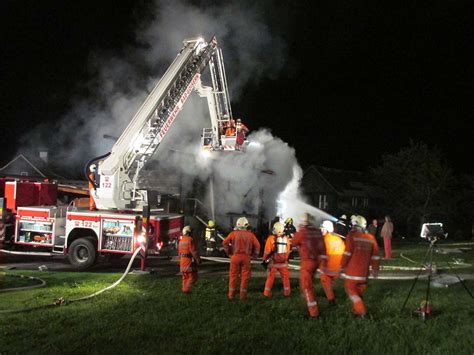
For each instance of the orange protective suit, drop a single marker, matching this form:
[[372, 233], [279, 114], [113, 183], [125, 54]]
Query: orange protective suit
[[92, 206], [313, 253], [188, 256], [278, 250], [240, 127], [244, 245], [361, 252], [334, 250], [230, 131]]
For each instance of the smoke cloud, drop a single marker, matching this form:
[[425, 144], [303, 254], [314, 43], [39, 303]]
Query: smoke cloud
[[241, 182]]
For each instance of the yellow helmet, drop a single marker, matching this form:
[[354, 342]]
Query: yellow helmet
[[289, 220], [358, 221], [187, 230], [278, 228], [211, 223], [242, 223]]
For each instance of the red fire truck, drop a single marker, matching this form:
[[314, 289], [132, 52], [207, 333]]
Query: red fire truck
[[124, 210]]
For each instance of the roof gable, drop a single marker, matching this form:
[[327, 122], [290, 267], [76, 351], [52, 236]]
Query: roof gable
[[21, 166], [314, 181]]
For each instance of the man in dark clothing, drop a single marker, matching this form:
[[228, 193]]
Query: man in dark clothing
[[372, 228]]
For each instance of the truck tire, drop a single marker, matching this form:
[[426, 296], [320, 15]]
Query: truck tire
[[82, 253]]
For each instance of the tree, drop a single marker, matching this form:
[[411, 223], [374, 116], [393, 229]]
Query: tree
[[416, 181]]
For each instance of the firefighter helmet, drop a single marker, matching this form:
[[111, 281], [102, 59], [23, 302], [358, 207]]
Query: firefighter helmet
[[306, 219], [242, 223], [358, 221], [211, 223], [289, 220], [92, 168], [328, 226], [278, 228], [187, 230]]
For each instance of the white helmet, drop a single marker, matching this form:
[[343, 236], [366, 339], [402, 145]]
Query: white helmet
[[93, 167], [328, 226], [242, 223], [306, 219], [278, 228], [358, 221], [187, 230]]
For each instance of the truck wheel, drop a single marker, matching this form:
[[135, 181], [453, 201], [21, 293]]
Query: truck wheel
[[82, 254]]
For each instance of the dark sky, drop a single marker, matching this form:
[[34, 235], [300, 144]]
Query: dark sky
[[360, 79]]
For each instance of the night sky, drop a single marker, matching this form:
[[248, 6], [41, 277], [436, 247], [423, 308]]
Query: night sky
[[360, 78]]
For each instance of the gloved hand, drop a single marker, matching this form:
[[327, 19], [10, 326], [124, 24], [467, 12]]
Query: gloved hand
[[265, 264]]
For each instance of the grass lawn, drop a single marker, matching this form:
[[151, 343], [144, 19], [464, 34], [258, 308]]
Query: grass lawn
[[412, 253], [148, 313]]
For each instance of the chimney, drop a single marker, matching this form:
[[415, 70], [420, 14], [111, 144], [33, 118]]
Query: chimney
[[43, 155]]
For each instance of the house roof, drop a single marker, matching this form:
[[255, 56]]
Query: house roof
[[34, 167], [12, 166]]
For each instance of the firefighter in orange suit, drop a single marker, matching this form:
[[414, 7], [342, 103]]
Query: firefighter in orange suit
[[313, 253], [230, 129], [361, 252], [92, 206], [244, 245], [277, 251], [334, 251], [240, 127], [188, 258]]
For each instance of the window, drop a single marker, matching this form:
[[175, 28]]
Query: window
[[323, 202], [354, 201], [365, 202]]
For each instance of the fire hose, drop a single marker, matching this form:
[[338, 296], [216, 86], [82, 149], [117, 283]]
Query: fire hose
[[61, 301], [41, 284], [458, 264], [297, 267]]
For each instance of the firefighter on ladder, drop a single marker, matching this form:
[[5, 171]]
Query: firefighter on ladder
[[244, 245], [361, 252], [188, 258], [210, 237], [334, 251], [240, 131], [230, 128], [313, 253], [275, 256]]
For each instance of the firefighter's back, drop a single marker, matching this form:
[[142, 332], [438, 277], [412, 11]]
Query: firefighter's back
[[362, 252]]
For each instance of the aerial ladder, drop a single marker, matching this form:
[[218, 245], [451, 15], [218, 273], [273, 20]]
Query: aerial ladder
[[115, 181]]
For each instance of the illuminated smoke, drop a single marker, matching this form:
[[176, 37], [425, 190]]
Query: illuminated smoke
[[290, 202]]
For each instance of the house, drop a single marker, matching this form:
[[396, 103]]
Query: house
[[33, 166], [36, 167], [339, 191]]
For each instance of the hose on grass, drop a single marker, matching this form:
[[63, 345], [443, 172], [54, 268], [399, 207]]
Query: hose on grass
[[458, 264], [61, 301], [42, 283]]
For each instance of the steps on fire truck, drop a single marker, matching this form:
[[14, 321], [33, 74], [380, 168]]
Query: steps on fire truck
[[58, 248]]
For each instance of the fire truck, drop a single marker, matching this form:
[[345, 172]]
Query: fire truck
[[124, 216]]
